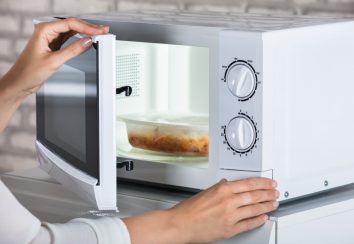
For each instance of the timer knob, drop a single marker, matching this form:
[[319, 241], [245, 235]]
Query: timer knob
[[241, 133], [241, 80]]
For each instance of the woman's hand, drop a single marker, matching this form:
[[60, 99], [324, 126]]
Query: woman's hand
[[42, 56], [224, 210], [40, 59]]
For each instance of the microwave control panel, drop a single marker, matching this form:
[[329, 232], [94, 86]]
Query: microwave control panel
[[240, 101], [241, 79], [240, 135]]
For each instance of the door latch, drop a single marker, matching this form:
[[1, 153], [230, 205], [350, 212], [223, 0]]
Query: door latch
[[127, 89], [128, 164]]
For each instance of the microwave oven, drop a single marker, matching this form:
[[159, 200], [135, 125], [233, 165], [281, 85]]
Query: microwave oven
[[183, 99]]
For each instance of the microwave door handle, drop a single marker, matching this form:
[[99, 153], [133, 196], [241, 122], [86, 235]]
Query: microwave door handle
[[127, 89]]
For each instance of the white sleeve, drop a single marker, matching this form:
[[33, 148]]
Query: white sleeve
[[18, 225]]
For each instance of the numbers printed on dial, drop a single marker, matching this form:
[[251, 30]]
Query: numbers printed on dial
[[240, 135], [241, 79]]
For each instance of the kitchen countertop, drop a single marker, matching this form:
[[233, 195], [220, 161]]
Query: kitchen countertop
[[51, 202], [174, 196]]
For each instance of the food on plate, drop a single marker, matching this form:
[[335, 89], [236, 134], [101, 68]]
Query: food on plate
[[177, 134], [182, 144]]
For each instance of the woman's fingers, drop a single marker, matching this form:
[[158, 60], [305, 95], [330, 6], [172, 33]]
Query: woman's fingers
[[251, 184], [250, 224], [65, 36], [50, 36], [71, 51], [54, 29], [77, 25], [252, 211], [253, 197], [60, 40], [226, 209]]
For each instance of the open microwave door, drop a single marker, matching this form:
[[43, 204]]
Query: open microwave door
[[76, 124]]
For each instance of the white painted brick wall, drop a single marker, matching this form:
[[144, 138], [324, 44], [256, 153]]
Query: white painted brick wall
[[9, 23], [131, 5], [85, 6], [20, 45], [3, 140], [16, 119], [22, 141], [31, 100], [17, 141], [32, 120], [38, 6], [239, 6], [4, 66], [27, 26], [5, 47]]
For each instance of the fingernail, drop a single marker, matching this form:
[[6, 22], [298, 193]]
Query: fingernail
[[275, 204], [277, 194], [274, 184], [265, 217], [104, 27], [86, 42]]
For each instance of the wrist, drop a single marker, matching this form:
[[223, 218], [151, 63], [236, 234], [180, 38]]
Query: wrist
[[10, 90], [10, 99], [161, 226], [178, 225]]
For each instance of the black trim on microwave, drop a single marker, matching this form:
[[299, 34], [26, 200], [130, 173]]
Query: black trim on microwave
[[88, 160]]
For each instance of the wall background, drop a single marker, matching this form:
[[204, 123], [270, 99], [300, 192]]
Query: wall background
[[17, 141]]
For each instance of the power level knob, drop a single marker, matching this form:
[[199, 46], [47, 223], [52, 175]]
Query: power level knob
[[241, 80], [241, 133]]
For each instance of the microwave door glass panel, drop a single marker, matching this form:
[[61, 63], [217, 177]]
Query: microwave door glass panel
[[66, 95], [68, 113]]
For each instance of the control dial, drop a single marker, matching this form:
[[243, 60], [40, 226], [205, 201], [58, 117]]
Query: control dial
[[241, 134], [241, 80]]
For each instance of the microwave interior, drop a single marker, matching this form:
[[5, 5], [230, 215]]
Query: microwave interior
[[165, 117]]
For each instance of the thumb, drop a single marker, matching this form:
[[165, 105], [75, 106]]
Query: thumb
[[73, 50]]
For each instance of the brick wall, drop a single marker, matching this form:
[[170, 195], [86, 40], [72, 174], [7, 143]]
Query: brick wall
[[17, 142]]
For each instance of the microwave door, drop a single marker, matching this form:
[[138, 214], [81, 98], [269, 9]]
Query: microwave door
[[76, 124]]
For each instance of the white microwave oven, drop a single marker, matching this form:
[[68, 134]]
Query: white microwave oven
[[184, 99]]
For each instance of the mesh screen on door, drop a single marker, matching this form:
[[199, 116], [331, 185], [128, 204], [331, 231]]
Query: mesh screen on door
[[128, 72]]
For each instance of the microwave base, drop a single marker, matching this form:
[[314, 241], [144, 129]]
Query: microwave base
[[181, 175]]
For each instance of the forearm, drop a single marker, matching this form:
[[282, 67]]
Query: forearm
[[156, 227], [10, 99]]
